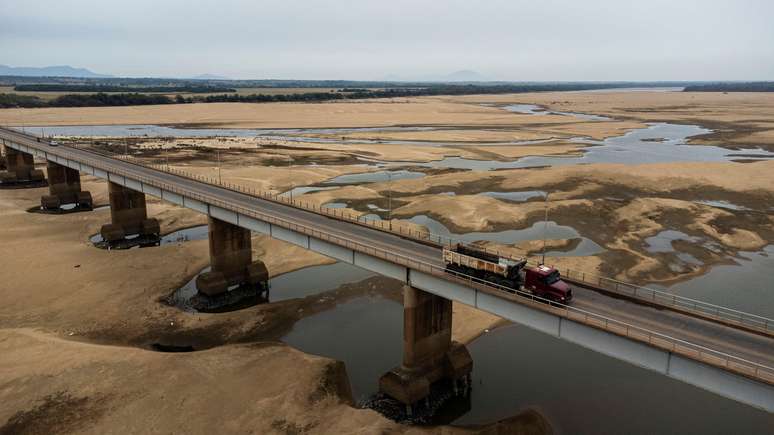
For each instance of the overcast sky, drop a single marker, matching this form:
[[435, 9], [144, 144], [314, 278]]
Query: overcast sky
[[412, 39]]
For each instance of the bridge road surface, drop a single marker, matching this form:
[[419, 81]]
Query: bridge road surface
[[747, 345]]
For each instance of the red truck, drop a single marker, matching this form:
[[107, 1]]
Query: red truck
[[542, 281]]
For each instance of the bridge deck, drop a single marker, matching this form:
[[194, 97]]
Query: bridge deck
[[753, 347]]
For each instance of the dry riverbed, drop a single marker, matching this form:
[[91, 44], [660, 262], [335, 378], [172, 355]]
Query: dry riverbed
[[77, 323]]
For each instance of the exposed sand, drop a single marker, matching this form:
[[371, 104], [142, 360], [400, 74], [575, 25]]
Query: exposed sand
[[617, 206], [741, 118], [77, 329], [75, 338]]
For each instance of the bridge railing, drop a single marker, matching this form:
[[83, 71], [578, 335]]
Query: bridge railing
[[633, 291], [677, 302], [671, 344]]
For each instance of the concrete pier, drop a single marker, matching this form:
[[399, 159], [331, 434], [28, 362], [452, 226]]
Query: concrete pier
[[429, 354], [128, 216], [64, 187], [231, 260], [20, 168]]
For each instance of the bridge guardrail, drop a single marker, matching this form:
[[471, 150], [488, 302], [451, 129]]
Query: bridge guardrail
[[661, 298], [671, 344], [633, 291]]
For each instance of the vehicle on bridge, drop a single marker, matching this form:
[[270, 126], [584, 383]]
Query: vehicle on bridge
[[542, 281]]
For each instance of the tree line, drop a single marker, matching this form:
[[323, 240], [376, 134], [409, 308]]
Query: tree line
[[732, 87], [137, 99], [109, 88]]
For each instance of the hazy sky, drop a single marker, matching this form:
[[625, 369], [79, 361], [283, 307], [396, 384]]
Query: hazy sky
[[365, 39]]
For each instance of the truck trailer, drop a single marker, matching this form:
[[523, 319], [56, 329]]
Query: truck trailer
[[542, 281]]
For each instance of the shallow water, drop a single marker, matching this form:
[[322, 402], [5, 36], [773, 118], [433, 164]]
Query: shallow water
[[584, 392], [299, 283], [723, 204], [374, 177], [532, 109], [535, 232], [746, 286], [578, 390], [518, 196], [656, 143], [662, 242], [365, 333], [199, 232]]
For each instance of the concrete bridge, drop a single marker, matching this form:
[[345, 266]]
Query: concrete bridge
[[718, 349]]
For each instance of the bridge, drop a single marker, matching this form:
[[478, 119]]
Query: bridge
[[721, 350]]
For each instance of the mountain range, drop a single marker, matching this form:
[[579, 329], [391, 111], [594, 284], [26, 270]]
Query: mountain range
[[49, 71]]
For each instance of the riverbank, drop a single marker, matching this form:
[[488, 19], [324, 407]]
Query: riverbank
[[101, 311]]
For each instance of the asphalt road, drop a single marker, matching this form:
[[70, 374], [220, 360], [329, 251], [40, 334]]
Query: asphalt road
[[739, 343]]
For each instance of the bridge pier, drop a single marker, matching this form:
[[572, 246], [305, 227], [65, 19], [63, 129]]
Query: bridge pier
[[231, 261], [64, 187], [129, 216], [429, 354], [20, 168]]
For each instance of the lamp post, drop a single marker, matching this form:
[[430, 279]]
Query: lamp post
[[545, 229], [220, 179], [290, 175], [389, 197]]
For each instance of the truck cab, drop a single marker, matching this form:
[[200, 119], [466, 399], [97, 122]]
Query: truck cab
[[545, 282]]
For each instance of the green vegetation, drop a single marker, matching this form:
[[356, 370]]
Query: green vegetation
[[732, 87], [81, 100], [111, 88], [16, 100], [314, 95], [136, 99]]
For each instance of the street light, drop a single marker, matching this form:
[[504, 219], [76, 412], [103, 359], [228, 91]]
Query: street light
[[389, 197], [220, 179], [290, 174], [545, 229]]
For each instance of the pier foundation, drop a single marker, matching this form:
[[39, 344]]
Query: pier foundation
[[128, 217], [429, 354], [231, 261], [64, 187], [20, 168]]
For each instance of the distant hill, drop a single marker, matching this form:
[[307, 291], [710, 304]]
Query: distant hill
[[209, 77], [49, 71]]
